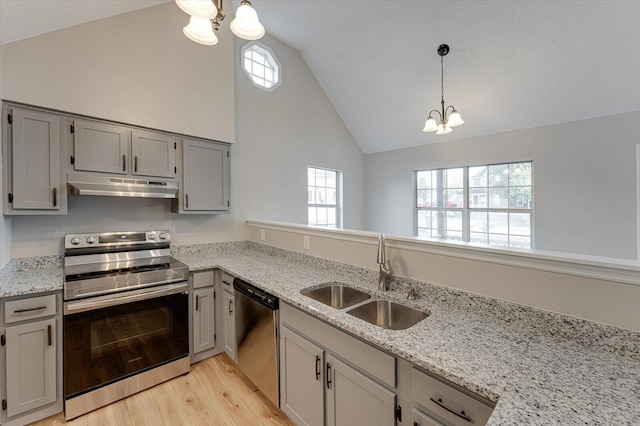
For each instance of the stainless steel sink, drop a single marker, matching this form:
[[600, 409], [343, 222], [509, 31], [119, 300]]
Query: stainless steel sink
[[388, 314], [337, 295]]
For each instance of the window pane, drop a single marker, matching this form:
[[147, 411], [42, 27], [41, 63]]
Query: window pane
[[331, 196], [498, 198], [322, 215], [321, 196], [498, 223], [454, 221], [312, 216], [268, 75], [520, 197], [520, 242], [424, 180], [454, 235], [331, 178], [311, 199], [520, 174], [477, 198], [331, 216], [424, 219], [454, 178], [479, 238], [520, 224], [478, 222], [320, 177], [499, 240], [455, 198], [499, 175], [311, 176], [424, 198], [478, 177], [258, 70]]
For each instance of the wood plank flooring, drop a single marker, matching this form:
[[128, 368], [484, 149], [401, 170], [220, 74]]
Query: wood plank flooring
[[215, 392]]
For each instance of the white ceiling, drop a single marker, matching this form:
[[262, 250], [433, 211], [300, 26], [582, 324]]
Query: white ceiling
[[512, 65]]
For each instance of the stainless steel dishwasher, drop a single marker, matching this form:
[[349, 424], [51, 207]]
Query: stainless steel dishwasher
[[256, 318]]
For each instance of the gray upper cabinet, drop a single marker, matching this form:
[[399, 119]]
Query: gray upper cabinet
[[154, 154], [205, 177], [109, 148], [101, 147], [33, 152]]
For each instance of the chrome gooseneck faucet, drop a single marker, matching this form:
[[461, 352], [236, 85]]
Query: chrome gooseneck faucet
[[385, 266]]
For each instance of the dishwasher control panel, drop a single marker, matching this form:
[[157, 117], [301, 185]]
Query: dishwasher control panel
[[255, 293]]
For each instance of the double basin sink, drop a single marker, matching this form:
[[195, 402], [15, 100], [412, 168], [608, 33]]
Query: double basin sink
[[383, 313]]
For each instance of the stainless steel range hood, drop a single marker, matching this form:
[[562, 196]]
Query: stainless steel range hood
[[126, 186]]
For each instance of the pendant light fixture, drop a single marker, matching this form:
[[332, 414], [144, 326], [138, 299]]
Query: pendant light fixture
[[446, 122], [206, 16]]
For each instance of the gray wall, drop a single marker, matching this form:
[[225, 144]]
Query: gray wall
[[584, 182], [5, 221], [277, 134]]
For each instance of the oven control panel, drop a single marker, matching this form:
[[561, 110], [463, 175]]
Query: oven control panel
[[110, 239]]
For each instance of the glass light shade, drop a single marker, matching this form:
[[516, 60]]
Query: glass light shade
[[199, 8], [200, 31], [455, 119], [443, 129], [246, 24], [430, 125]]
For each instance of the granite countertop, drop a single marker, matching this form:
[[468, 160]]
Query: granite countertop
[[540, 368]]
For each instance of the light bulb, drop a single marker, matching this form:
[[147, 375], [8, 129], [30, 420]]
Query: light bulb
[[443, 129], [246, 24], [200, 31], [430, 125], [455, 119], [199, 8]]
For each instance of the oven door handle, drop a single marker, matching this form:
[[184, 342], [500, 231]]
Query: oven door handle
[[104, 302]]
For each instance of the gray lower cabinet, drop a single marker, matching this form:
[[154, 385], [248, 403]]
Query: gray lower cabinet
[[32, 359], [229, 339], [353, 398], [302, 379], [329, 377], [204, 315], [33, 153], [205, 178]]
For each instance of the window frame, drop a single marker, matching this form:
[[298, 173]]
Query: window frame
[[467, 209], [338, 205], [270, 57]]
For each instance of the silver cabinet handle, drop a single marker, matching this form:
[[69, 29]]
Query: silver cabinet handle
[[461, 414]]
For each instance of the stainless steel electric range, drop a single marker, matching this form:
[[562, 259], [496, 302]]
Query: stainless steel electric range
[[125, 316]]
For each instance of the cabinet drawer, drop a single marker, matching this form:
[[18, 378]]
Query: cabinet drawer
[[26, 309], [227, 280], [203, 279], [421, 419], [448, 401]]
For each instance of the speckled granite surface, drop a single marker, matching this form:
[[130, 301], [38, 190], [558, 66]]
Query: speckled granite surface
[[541, 368], [31, 275]]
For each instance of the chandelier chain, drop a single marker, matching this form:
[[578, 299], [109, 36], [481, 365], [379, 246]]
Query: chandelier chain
[[442, 78]]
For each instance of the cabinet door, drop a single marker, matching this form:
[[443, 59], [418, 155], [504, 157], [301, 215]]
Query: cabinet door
[[205, 176], [100, 147], [353, 398], [154, 154], [36, 160], [204, 320], [229, 338], [31, 366], [301, 379]]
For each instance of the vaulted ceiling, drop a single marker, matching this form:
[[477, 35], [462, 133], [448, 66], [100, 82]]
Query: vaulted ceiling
[[512, 65]]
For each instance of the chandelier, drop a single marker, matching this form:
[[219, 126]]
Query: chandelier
[[446, 122], [206, 16]]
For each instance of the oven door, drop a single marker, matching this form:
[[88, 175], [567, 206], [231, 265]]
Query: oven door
[[110, 338]]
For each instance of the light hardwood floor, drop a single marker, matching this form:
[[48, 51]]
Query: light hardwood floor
[[215, 392]]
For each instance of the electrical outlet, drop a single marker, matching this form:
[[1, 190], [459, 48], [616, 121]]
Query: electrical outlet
[[262, 235], [306, 242]]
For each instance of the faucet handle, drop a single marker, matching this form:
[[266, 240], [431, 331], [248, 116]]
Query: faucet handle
[[412, 294], [382, 258]]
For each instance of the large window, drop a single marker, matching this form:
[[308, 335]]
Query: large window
[[324, 197], [489, 204]]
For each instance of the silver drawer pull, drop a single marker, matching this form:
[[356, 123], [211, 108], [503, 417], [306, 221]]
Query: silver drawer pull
[[461, 414], [22, 311]]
